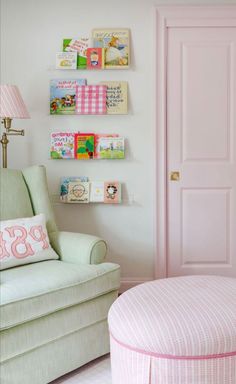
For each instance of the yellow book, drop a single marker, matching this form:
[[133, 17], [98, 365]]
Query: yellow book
[[117, 97], [78, 192], [116, 43]]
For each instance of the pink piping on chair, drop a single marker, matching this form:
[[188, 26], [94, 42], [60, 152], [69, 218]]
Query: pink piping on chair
[[172, 357]]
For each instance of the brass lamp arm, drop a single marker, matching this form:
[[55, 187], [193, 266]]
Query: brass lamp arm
[[10, 131], [4, 140], [15, 132]]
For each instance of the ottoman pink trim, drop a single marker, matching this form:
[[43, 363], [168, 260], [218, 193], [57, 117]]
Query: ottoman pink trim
[[172, 357]]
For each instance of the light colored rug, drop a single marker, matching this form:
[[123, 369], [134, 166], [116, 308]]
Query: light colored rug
[[96, 372]]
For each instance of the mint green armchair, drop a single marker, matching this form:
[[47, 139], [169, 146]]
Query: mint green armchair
[[53, 314]]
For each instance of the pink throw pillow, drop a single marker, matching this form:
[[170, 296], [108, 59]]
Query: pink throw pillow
[[24, 241]]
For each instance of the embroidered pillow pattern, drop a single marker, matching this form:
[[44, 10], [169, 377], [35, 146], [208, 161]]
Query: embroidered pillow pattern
[[24, 241]]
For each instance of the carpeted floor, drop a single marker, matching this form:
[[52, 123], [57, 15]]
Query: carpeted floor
[[96, 372]]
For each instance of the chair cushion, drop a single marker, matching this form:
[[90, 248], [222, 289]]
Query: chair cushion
[[28, 336], [24, 241], [31, 291]]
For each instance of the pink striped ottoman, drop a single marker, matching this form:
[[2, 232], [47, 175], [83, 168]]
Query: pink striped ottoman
[[175, 331]]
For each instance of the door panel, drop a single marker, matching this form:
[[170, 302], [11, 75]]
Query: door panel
[[202, 232], [201, 146], [201, 100]]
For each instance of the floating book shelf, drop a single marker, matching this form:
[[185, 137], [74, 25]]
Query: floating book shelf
[[75, 97], [80, 190], [86, 146], [106, 49]]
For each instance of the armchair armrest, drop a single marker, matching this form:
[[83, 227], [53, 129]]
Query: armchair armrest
[[79, 248]]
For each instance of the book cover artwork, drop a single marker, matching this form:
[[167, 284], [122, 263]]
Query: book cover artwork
[[117, 97], [66, 60], [78, 192], [116, 44], [95, 58], [112, 192], [84, 146], [110, 148], [79, 46], [97, 138], [62, 96], [97, 192], [62, 145], [65, 184], [91, 100]]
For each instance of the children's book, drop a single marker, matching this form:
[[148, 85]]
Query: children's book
[[112, 192], [65, 182], [80, 46], [62, 96], [66, 60], [91, 100], [78, 192], [110, 148], [84, 146], [95, 58], [116, 43], [97, 139], [97, 192], [62, 145], [117, 97]]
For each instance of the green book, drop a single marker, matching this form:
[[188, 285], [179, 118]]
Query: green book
[[80, 46]]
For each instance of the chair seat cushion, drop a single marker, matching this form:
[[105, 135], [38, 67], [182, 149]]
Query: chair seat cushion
[[31, 291]]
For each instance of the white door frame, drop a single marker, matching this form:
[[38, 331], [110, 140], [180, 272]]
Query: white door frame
[[165, 17]]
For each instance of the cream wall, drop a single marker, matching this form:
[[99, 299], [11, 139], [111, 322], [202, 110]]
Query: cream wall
[[31, 33]]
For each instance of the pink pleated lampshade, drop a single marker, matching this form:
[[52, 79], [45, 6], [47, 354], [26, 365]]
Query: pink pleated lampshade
[[11, 103]]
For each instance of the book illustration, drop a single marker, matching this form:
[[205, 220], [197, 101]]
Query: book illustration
[[66, 60], [62, 96], [117, 97], [78, 192], [65, 183], [95, 58], [116, 44], [112, 192], [80, 46], [84, 146], [62, 145], [97, 138], [110, 148], [91, 100], [97, 192]]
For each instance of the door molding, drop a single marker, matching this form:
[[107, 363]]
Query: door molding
[[166, 17]]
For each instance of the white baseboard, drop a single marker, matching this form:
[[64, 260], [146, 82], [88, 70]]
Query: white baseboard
[[130, 282]]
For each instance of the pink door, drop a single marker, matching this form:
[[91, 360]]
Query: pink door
[[201, 148]]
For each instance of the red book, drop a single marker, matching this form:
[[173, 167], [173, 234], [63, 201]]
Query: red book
[[95, 58]]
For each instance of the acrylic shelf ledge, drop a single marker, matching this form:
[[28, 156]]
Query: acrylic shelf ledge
[[55, 200], [88, 114], [49, 158], [52, 68]]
